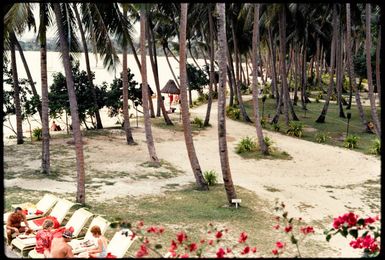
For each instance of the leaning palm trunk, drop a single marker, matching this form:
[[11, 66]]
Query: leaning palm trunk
[[200, 181], [99, 124], [322, 116], [274, 87], [378, 76], [373, 110], [212, 76], [352, 77], [30, 81], [127, 125], [339, 69], [223, 153], [147, 123], [45, 158], [16, 96], [258, 126], [80, 195]]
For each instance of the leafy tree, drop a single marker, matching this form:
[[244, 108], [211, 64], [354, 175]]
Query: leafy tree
[[197, 79]]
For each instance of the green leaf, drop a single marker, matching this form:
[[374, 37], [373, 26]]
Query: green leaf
[[353, 233], [365, 233], [158, 246], [344, 231], [290, 220], [328, 237], [284, 214], [293, 239], [361, 222]]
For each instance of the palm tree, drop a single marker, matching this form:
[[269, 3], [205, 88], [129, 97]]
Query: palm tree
[[373, 110], [322, 116], [147, 123], [44, 22], [258, 127], [223, 153], [99, 124], [200, 181], [378, 76], [80, 195], [352, 78], [16, 87]]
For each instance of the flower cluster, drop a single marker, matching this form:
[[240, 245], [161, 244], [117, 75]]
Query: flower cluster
[[365, 231]]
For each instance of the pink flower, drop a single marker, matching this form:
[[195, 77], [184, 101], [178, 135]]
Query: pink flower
[[202, 241], [140, 224], [374, 247], [307, 230], [351, 219], [218, 234], [245, 250], [211, 242], [276, 226], [242, 238], [184, 256], [228, 250], [220, 253], [152, 230], [274, 251], [279, 244], [254, 249], [369, 220], [288, 229], [181, 236], [173, 246], [142, 251], [193, 247], [161, 230]]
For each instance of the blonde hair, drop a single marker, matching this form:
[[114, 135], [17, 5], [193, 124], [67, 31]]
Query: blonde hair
[[47, 223]]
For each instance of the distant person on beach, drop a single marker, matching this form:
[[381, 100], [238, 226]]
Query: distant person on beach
[[60, 247], [171, 97], [55, 127], [14, 224], [44, 238]]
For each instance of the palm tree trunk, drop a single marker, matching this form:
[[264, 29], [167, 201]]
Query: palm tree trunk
[[274, 88], [16, 96], [223, 153], [233, 92], [296, 74], [317, 72], [352, 77], [169, 65], [378, 74], [339, 71], [147, 123], [238, 72], [257, 120], [282, 43], [31, 83], [196, 168], [322, 116], [247, 72], [211, 74], [127, 125], [45, 157], [373, 109], [80, 195], [304, 76], [99, 124]]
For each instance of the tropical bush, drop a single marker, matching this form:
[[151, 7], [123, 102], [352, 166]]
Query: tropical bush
[[295, 129], [351, 141], [233, 112], [276, 127], [210, 177], [37, 134], [321, 137], [376, 147], [246, 144], [198, 121], [263, 122]]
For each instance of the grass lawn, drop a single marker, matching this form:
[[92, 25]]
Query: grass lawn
[[334, 126], [190, 210]]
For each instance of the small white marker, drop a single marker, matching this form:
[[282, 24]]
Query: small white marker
[[236, 201]]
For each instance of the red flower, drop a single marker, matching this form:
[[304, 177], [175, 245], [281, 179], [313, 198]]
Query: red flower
[[254, 249], [193, 247], [276, 226], [152, 230], [307, 230], [181, 236], [242, 238], [184, 256], [173, 246], [274, 251], [246, 250], [218, 234], [161, 230], [140, 224], [133, 235], [202, 241], [211, 242], [374, 247], [279, 244], [228, 250], [337, 223], [220, 253], [288, 229], [369, 220], [351, 219], [142, 251]]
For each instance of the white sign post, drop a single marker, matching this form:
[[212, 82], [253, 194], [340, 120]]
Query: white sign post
[[236, 201]]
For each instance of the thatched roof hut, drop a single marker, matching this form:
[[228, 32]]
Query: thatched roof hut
[[170, 88], [150, 91]]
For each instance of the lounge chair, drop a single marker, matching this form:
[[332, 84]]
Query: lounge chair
[[120, 243], [76, 243], [43, 206], [61, 209]]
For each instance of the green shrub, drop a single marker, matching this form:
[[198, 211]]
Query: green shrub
[[269, 142], [263, 122], [376, 147], [321, 137], [351, 141], [198, 121], [37, 133], [210, 177], [233, 112], [246, 144], [295, 129], [276, 127]]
